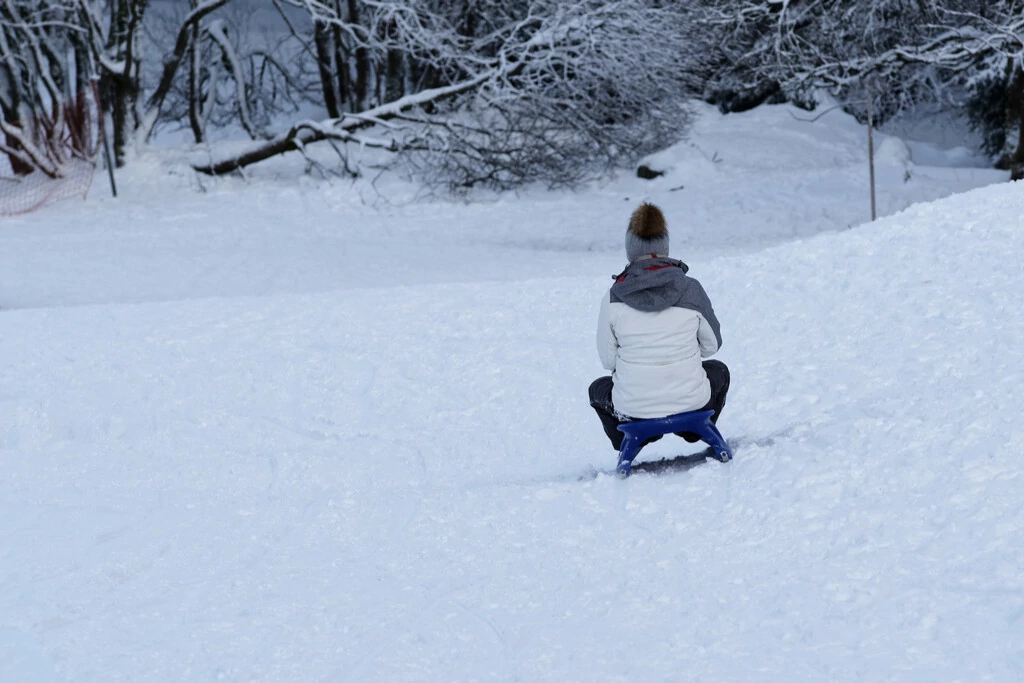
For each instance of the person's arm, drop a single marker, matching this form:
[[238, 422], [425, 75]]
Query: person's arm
[[709, 332], [607, 344], [706, 339]]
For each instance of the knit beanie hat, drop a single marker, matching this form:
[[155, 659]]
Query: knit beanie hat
[[647, 233]]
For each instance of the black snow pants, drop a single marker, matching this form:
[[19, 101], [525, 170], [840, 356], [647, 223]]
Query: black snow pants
[[601, 401]]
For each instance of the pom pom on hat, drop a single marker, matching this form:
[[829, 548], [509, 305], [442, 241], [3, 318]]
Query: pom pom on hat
[[647, 233]]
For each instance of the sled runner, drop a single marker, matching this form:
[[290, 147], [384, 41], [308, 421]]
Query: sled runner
[[699, 422]]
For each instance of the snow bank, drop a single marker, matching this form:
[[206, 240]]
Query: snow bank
[[893, 151]]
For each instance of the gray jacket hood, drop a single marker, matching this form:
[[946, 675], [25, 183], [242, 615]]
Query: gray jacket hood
[[652, 284], [656, 284]]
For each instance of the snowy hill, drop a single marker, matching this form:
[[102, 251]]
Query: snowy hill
[[377, 463]]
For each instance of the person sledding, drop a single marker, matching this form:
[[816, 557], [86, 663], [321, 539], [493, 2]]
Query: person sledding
[[655, 326]]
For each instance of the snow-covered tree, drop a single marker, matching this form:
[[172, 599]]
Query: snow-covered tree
[[237, 71], [791, 47], [495, 92], [539, 91], [896, 52], [45, 90], [974, 47]]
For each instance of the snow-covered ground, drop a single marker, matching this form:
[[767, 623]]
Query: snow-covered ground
[[295, 431]]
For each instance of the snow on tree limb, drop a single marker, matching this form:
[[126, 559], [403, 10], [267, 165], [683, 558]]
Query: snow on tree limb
[[218, 32], [29, 152], [552, 92], [305, 133]]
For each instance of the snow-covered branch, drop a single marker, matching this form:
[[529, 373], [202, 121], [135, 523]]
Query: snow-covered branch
[[306, 133], [171, 64], [45, 97], [218, 33], [560, 89]]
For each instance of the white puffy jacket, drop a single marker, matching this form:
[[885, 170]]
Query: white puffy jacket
[[655, 326]]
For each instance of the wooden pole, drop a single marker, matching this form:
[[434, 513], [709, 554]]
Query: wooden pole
[[110, 164], [871, 154]]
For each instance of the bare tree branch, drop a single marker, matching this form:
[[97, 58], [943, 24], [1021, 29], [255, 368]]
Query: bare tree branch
[[171, 64]]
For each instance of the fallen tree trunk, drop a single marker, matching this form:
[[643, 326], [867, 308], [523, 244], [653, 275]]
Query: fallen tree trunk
[[341, 128]]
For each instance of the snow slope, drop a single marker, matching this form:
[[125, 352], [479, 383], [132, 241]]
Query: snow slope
[[398, 478]]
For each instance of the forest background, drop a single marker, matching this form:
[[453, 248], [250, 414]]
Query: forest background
[[484, 93]]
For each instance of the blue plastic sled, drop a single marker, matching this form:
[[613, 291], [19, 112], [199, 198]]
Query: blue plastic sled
[[699, 422]]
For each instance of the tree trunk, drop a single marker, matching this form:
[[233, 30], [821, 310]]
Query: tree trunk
[[121, 99], [121, 89], [1015, 122], [11, 103], [83, 71], [345, 95], [195, 91], [394, 72], [322, 40], [17, 165], [362, 63]]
